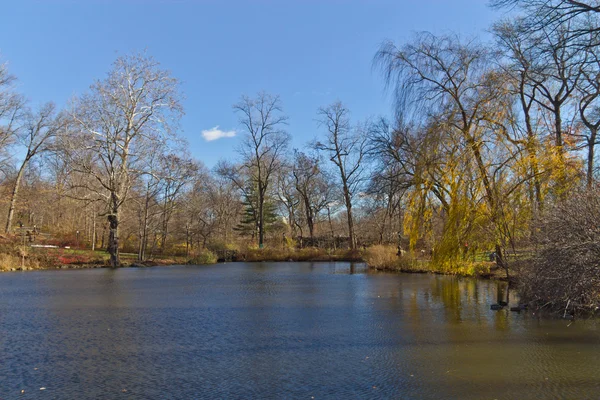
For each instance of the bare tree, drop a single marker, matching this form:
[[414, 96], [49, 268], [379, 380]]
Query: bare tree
[[346, 149], [566, 8], [36, 136], [149, 186], [589, 110], [400, 157], [288, 197], [176, 173], [264, 144], [11, 112], [581, 17], [136, 106], [213, 207], [519, 65], [312, 186], [556, 77]]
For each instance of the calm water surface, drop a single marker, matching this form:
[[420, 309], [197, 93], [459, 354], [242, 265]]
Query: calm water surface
[[281, 330]]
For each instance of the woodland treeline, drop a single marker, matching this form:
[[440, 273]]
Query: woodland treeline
[[485, 138]]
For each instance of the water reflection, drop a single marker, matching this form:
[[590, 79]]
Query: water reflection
[[282, 330]]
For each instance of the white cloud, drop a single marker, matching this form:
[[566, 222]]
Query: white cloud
[[215, 133]]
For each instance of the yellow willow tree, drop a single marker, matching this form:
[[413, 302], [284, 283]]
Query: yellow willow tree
[[456, 82], [445, 204], [441, 199]]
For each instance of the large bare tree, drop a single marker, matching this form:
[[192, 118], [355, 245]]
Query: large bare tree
[[136, 107], [264, 143], [346, 148]]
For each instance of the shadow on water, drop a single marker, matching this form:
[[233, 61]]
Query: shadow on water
[[332, 330]]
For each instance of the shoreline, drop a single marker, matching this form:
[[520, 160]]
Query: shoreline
[[493, 275]]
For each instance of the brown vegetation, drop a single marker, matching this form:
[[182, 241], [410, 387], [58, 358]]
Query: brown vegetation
[[565, 273]]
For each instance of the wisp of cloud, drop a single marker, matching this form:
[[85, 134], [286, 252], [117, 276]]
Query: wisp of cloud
[[215, 133]]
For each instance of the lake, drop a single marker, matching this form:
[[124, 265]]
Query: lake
[[281, 330]]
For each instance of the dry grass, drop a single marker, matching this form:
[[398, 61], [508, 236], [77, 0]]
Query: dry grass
[[291, 254], [9, 262], [13, 262], [382, 257]]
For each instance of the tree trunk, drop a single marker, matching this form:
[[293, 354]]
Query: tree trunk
[[165, 226], [351, 229], [558, 129], [533, 160], [144, 235], [261, 221], [500, 261], [309, 218], [330, 223], [350, 218], [14, 195], [590, 158], [187, 240], [94, 231], [113, 238]]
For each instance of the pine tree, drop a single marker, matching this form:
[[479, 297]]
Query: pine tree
[[248, 225]]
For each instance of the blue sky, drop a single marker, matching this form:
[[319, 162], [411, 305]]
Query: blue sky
[[309, 52]]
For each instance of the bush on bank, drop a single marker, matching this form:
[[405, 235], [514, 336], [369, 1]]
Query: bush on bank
[[386, 258], [564, 275], [203, 257]]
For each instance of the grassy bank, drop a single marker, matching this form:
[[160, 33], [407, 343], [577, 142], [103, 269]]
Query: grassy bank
[[19, 258], [383, 258], [378, 257]]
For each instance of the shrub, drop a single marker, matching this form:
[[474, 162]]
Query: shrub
[[565, 272], [204, 257]]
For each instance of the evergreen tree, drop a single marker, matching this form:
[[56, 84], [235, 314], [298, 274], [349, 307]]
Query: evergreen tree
[[248, 225]]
